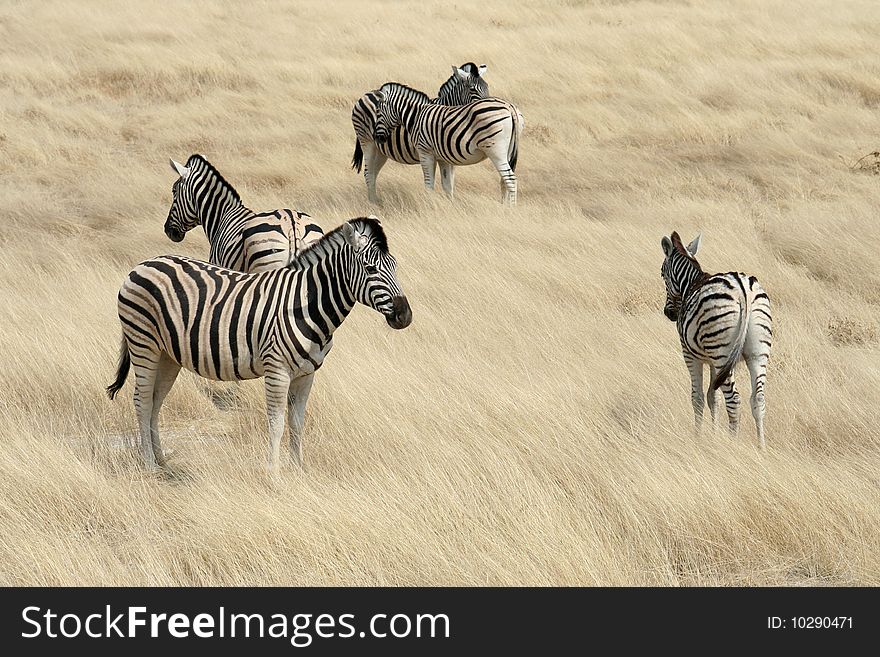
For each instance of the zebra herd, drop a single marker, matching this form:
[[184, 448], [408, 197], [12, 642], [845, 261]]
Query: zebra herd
[[275, 287]]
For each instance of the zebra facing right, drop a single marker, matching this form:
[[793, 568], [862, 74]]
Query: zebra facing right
[[178, 312], [466, 84], [721, 319], [453, 136]]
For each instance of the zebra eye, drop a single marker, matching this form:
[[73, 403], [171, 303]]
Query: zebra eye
[[371, 269]]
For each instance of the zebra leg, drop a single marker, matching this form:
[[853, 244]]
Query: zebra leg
[[508, 177], [166, 374], [297, 396], [710, 393], [144, 384], [758, 370], [374, 160], [695, 367], [429, 168], [276, 384], [447, 178], [731, 402]]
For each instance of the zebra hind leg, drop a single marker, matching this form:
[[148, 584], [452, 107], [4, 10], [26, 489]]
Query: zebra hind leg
[[374, 160], [166, 374], [731, 402], [695, 367], [447, 178], [144, 386], [758, 370], [508, 177]]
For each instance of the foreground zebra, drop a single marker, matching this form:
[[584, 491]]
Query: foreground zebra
[[228, 325], [721, 318], [466, 84], [450, 136], [240, 238]]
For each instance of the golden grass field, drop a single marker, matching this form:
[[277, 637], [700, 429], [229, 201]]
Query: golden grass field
[[533, 425]]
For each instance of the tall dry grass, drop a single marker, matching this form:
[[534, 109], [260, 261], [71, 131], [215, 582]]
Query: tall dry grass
[[533, 425]]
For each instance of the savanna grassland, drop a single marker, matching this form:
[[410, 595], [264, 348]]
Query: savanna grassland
[[533, 425]]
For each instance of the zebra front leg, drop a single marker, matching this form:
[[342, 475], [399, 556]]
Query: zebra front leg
[[447, 178], [297, 396], [429, 168], [508, 177], [695, 368], [758, 370], [165, 375], [276, 384]]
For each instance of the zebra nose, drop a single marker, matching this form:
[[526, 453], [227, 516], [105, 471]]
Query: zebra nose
[[670, 313], [401, 314]]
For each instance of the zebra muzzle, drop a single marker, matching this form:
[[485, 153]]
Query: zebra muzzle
[[400, 315]]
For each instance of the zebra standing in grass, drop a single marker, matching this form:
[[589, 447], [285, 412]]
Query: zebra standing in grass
[[228, 325], [240, 238], [721, 318], [466, 84], [454, 136]]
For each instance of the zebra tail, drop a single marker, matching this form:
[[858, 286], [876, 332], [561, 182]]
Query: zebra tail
[[736, 354], [513, 151], [121, 370], [358, 158]]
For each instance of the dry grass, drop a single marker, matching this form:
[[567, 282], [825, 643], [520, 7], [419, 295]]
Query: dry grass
[[533, 425]]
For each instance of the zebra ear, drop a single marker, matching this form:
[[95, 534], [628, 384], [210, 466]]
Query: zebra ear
[[666, 243], [179, 169], [357, 241], [460, 72], [482, 70], [694, 245]]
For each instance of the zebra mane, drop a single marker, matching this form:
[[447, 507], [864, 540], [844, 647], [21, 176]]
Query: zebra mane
[[202, 160], [318, 249], [415, 94]]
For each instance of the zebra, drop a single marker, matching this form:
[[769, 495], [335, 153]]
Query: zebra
[[721, 318], [240, 238], [450, 136], [178, 312], [466, 84]]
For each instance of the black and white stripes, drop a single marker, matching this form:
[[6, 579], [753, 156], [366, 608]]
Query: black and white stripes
[[453, 136], [177, 312], [466, 84], [721, 319], [240, 238]]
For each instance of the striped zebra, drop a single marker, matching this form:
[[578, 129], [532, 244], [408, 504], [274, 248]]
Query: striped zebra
[[240, 238], [721, 319], [229, 325], [454, 136], [465, 85]]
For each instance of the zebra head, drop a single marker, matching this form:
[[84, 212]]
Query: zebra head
[[679, 270], [466, 85], [182, 216], [373, 279], [387, 117]]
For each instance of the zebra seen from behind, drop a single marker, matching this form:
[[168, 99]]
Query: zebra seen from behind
[[721, 319], [453, 136], [240, 238], [178, 312], [466, 84]]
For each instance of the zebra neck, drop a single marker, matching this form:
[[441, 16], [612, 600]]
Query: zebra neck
[[691, 277], [216, 219], [324, 271]]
